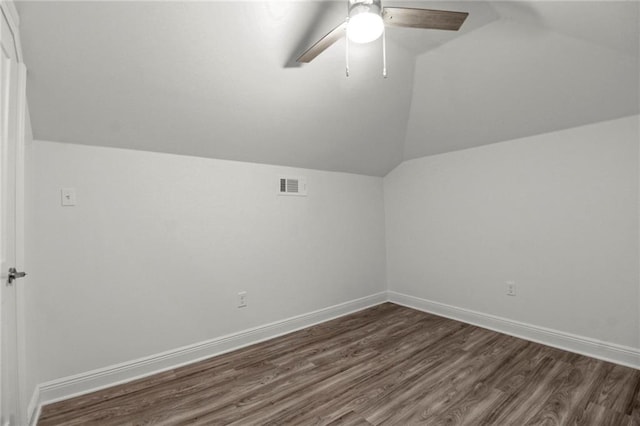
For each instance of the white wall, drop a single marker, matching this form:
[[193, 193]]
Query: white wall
[[158, 246], [557, 213]]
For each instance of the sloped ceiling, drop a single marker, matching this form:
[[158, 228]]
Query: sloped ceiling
[[218, 79]]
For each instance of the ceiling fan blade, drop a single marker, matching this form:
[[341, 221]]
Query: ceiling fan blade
[[423, 18], [321, 45]]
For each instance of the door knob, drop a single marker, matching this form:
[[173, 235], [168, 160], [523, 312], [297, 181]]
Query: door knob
[[14, 275]]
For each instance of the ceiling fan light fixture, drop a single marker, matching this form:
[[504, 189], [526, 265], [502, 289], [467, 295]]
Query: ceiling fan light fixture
[[365, 21], [365, 27]]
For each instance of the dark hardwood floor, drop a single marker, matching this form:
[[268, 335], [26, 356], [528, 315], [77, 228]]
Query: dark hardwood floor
[[385, 365]]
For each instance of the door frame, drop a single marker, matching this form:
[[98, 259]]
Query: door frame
[[10, 14], [23, 398]]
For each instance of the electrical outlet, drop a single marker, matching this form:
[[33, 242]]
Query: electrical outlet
[[68, 196], [511, 288], [242, 299]]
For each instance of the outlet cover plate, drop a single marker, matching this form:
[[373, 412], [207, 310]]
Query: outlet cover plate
[[242, 299], [68, 196]]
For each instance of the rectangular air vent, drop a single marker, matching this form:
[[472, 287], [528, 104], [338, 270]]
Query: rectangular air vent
[[292, 186]]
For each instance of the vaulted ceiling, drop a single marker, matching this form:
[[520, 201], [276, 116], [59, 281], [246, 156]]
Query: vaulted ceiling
[[219, 79]]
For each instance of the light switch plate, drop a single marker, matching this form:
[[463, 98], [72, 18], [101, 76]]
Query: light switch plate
[[68, 196]]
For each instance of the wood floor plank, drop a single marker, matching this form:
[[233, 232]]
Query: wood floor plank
[[567, 394], [253, 395], [467, 389], [596, 371], [376, 378], [349, 419], [386, 365], [618, 389], [377, 385], [416, 387], [290, 405], [518, 369], [598, 415], [466, 411]]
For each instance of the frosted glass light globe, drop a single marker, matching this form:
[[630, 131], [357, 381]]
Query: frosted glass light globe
[[365, 27]]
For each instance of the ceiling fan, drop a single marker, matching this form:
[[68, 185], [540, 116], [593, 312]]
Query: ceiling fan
[[367, 19]]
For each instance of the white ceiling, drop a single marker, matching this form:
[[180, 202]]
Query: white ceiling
[[218, 79]]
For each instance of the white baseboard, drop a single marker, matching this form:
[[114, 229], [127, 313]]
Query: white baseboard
[[79, 384], [33, 409], [606, 351]]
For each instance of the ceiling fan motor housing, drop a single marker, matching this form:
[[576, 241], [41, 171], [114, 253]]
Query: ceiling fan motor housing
[[357, 7]]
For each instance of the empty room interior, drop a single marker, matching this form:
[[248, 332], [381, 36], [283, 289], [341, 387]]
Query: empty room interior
[[343, 212]]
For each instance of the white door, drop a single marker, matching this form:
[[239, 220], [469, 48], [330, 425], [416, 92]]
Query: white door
[[11, 119]]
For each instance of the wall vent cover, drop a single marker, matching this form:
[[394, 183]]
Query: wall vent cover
[[292, 186]]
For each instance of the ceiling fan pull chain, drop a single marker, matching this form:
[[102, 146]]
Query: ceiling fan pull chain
[[347, 53], [384, 53]]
